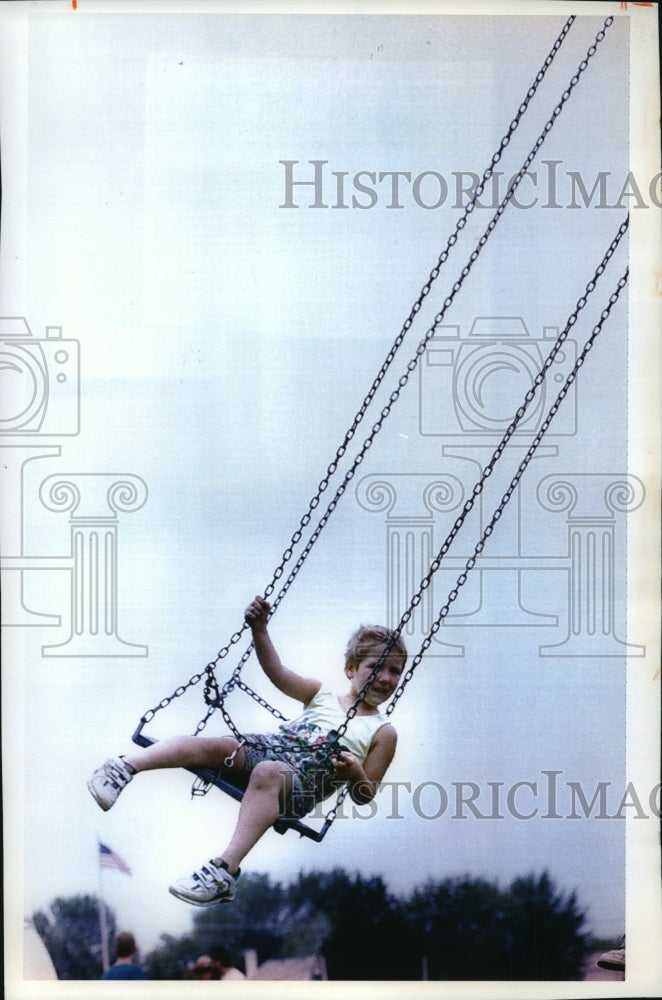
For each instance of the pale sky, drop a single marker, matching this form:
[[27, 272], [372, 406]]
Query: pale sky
[[226, 343]]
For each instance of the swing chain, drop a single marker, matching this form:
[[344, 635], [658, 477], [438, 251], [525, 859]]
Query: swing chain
[[512, 427], [413, 363], [213, 696], [487, 471], [336, 735], [340, 798], [411, 366], [342, 449], [424, 292], [480, 545]]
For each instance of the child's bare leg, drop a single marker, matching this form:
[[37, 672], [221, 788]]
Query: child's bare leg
[[260, 808], [193, 752], [187, 751]]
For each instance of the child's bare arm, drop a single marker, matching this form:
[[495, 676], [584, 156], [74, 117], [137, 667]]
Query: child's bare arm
[[286, 680], [364, 780]]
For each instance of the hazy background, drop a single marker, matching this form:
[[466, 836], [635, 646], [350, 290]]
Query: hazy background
[[226, 343]]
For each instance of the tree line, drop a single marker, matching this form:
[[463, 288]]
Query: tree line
[[455, 929]]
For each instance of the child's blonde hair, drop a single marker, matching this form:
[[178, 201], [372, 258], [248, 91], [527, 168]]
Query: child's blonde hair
[[367, 637]]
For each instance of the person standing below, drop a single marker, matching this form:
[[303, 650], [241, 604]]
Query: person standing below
[[205, 968], [126, 965], [224, 963]]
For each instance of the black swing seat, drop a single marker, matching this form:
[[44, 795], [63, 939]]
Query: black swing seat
[[282, 825]]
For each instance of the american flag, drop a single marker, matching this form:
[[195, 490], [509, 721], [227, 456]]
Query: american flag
[[109, 859]]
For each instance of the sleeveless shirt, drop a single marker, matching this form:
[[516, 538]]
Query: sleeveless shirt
[[323, 714]]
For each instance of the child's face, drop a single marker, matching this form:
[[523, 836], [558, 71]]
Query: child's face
[[384, 683]]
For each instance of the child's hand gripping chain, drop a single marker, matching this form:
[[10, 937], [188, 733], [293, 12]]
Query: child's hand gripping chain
[[284, 773]]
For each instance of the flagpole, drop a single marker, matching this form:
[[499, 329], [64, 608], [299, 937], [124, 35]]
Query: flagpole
[[107, 858], [103, 923]]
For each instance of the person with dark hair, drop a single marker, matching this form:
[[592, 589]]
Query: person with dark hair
[[225, 964], [205, 968], [126, 965]]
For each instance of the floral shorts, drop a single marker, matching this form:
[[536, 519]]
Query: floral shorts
[[313, 777]]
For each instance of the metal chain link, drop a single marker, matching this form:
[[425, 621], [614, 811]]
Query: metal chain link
[[480, 484], [489, 467], [334, 737], [480, 545], [212, 693], [422, 346], [211, 689], [412, 364], [213, 696], [424, 292]]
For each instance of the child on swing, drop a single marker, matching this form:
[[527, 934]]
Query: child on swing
[[276, 779]]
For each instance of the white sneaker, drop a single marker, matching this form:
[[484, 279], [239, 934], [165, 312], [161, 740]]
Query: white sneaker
[[614, 959], [208, 885], [108, 781]]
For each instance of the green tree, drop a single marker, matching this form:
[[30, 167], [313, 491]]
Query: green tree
[[72, 936], [545, 930], [258, 918], [172, 957], [471, 929], [457, 929], [368, 936]]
